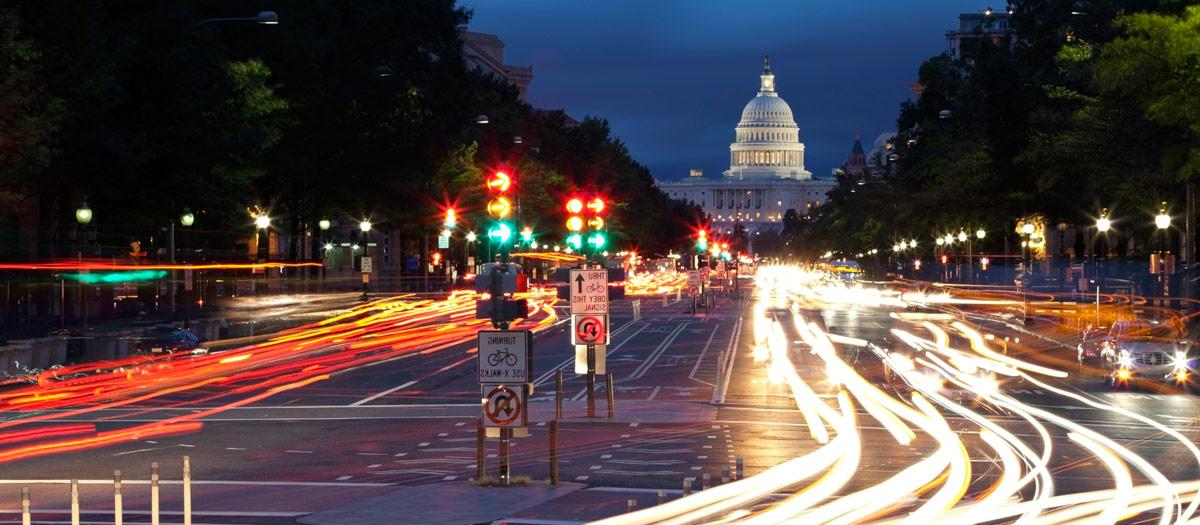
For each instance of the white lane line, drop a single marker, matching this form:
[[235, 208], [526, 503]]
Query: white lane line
[[654, 393], [366, 400], [134, 451], [730, 353], [299, 451], [234, 448], [700, 360], [344, 478], [658, 352]]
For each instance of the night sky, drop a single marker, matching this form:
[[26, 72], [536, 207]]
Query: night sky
[[672, 76]]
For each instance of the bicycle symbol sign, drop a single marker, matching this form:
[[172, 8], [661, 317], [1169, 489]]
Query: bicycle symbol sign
[[504, 356], [504, 406]]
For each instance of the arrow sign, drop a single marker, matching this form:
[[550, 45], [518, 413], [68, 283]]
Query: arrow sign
[[579, 283], [589, 329]]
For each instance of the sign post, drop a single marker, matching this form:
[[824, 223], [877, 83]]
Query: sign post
[[693, 287], [589, 313], [365, 264]]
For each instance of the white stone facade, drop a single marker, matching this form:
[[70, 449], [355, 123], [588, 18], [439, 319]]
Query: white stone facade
[[766, 175]]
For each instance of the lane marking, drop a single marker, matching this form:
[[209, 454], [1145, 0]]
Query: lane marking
[[719, 396], [366, 400], [658, 352], [195, 482], [700, 360]]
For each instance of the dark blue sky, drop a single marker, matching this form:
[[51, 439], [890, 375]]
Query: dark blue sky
[[671, 76]]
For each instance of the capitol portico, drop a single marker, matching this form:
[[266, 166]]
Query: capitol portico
[[766, 175]]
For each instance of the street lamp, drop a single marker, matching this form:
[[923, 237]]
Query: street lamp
[[365, 225], [83, 214], [980, 233], [187, 219], [262, 222], [323, 224], [1163, 221], [481, 119]]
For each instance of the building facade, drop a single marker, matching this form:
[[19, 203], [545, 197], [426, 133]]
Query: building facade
[[486, 53], [766, 175], [975, 28]]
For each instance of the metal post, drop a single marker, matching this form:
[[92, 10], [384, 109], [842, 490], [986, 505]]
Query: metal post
[[118, 510], [505, 460], [739, 469], [480, 450], [26, 519], [74, 502], [558, 394], [608, 385], [687, 487], [171, 258], [154, 493], [554, 452], [187, 491], [662, 497], [591, 380], [725, 473], [630, 505], [705, 481]]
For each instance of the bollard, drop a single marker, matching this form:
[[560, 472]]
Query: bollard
[[118, 510], [665, 296], [662, 497], [637, 309], [554, 452], [608, 378], [705, 481], [26, 519], [74, 502], [480, 450], [630, 505], [720, 375], [678, 295], [154, 493], [739, 469], [687, 487], [725, 473], [187, 490], [558, 380]]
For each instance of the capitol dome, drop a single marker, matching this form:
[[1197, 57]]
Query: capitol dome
[[767, 110], [767, 139]]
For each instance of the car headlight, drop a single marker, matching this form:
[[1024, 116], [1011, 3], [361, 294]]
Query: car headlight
[[1180, 360]]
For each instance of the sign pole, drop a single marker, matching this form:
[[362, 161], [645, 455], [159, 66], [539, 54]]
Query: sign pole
[[505, 460], [591, 380]]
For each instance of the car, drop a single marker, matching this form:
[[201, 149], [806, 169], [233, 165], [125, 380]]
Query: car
[[1139, 350]]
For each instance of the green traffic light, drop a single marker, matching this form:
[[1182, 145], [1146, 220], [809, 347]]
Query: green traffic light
[[702, 245], [500, 232], [596, 240], [575, 241]]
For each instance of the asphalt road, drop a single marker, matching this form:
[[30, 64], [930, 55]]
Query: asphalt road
[[411, 421]]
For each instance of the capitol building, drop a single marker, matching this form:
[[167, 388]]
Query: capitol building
[[766, 175]]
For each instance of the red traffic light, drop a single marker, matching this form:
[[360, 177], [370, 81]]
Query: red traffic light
[[596, 205], [702, 234], [499, 182], [574, 205]]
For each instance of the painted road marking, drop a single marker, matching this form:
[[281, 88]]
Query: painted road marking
[[344, 478], [366, 400]]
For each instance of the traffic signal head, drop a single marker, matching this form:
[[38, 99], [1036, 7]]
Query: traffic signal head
[[575, 241], [500, 232], [596, 223], [574, 206], [499, 207], [499, 182], [596, 240], [526, 234], [596, 205], [451, 218], [574, 223]]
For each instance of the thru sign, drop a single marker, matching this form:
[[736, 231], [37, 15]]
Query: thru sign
[[504, 356], [589, 291]]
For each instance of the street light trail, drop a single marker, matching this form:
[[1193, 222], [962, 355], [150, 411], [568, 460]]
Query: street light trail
[[369, 334], [930, 367]]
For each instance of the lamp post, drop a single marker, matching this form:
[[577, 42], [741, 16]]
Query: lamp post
[[1163, 222], [1027, 230], [940, 242], [980, 234], [1103, 225], [262, 225], [83, 217], [365, 227]]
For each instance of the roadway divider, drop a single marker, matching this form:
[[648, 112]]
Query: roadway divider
[[118, 497]]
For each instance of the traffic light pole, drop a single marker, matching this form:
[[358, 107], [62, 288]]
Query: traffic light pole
[[591, 381]]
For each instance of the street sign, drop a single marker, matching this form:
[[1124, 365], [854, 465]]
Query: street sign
[[589, 329], [693, 290], [589, 291], [504, 356], [581, 359], [366, 264], [504, 406], [443, 242]]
